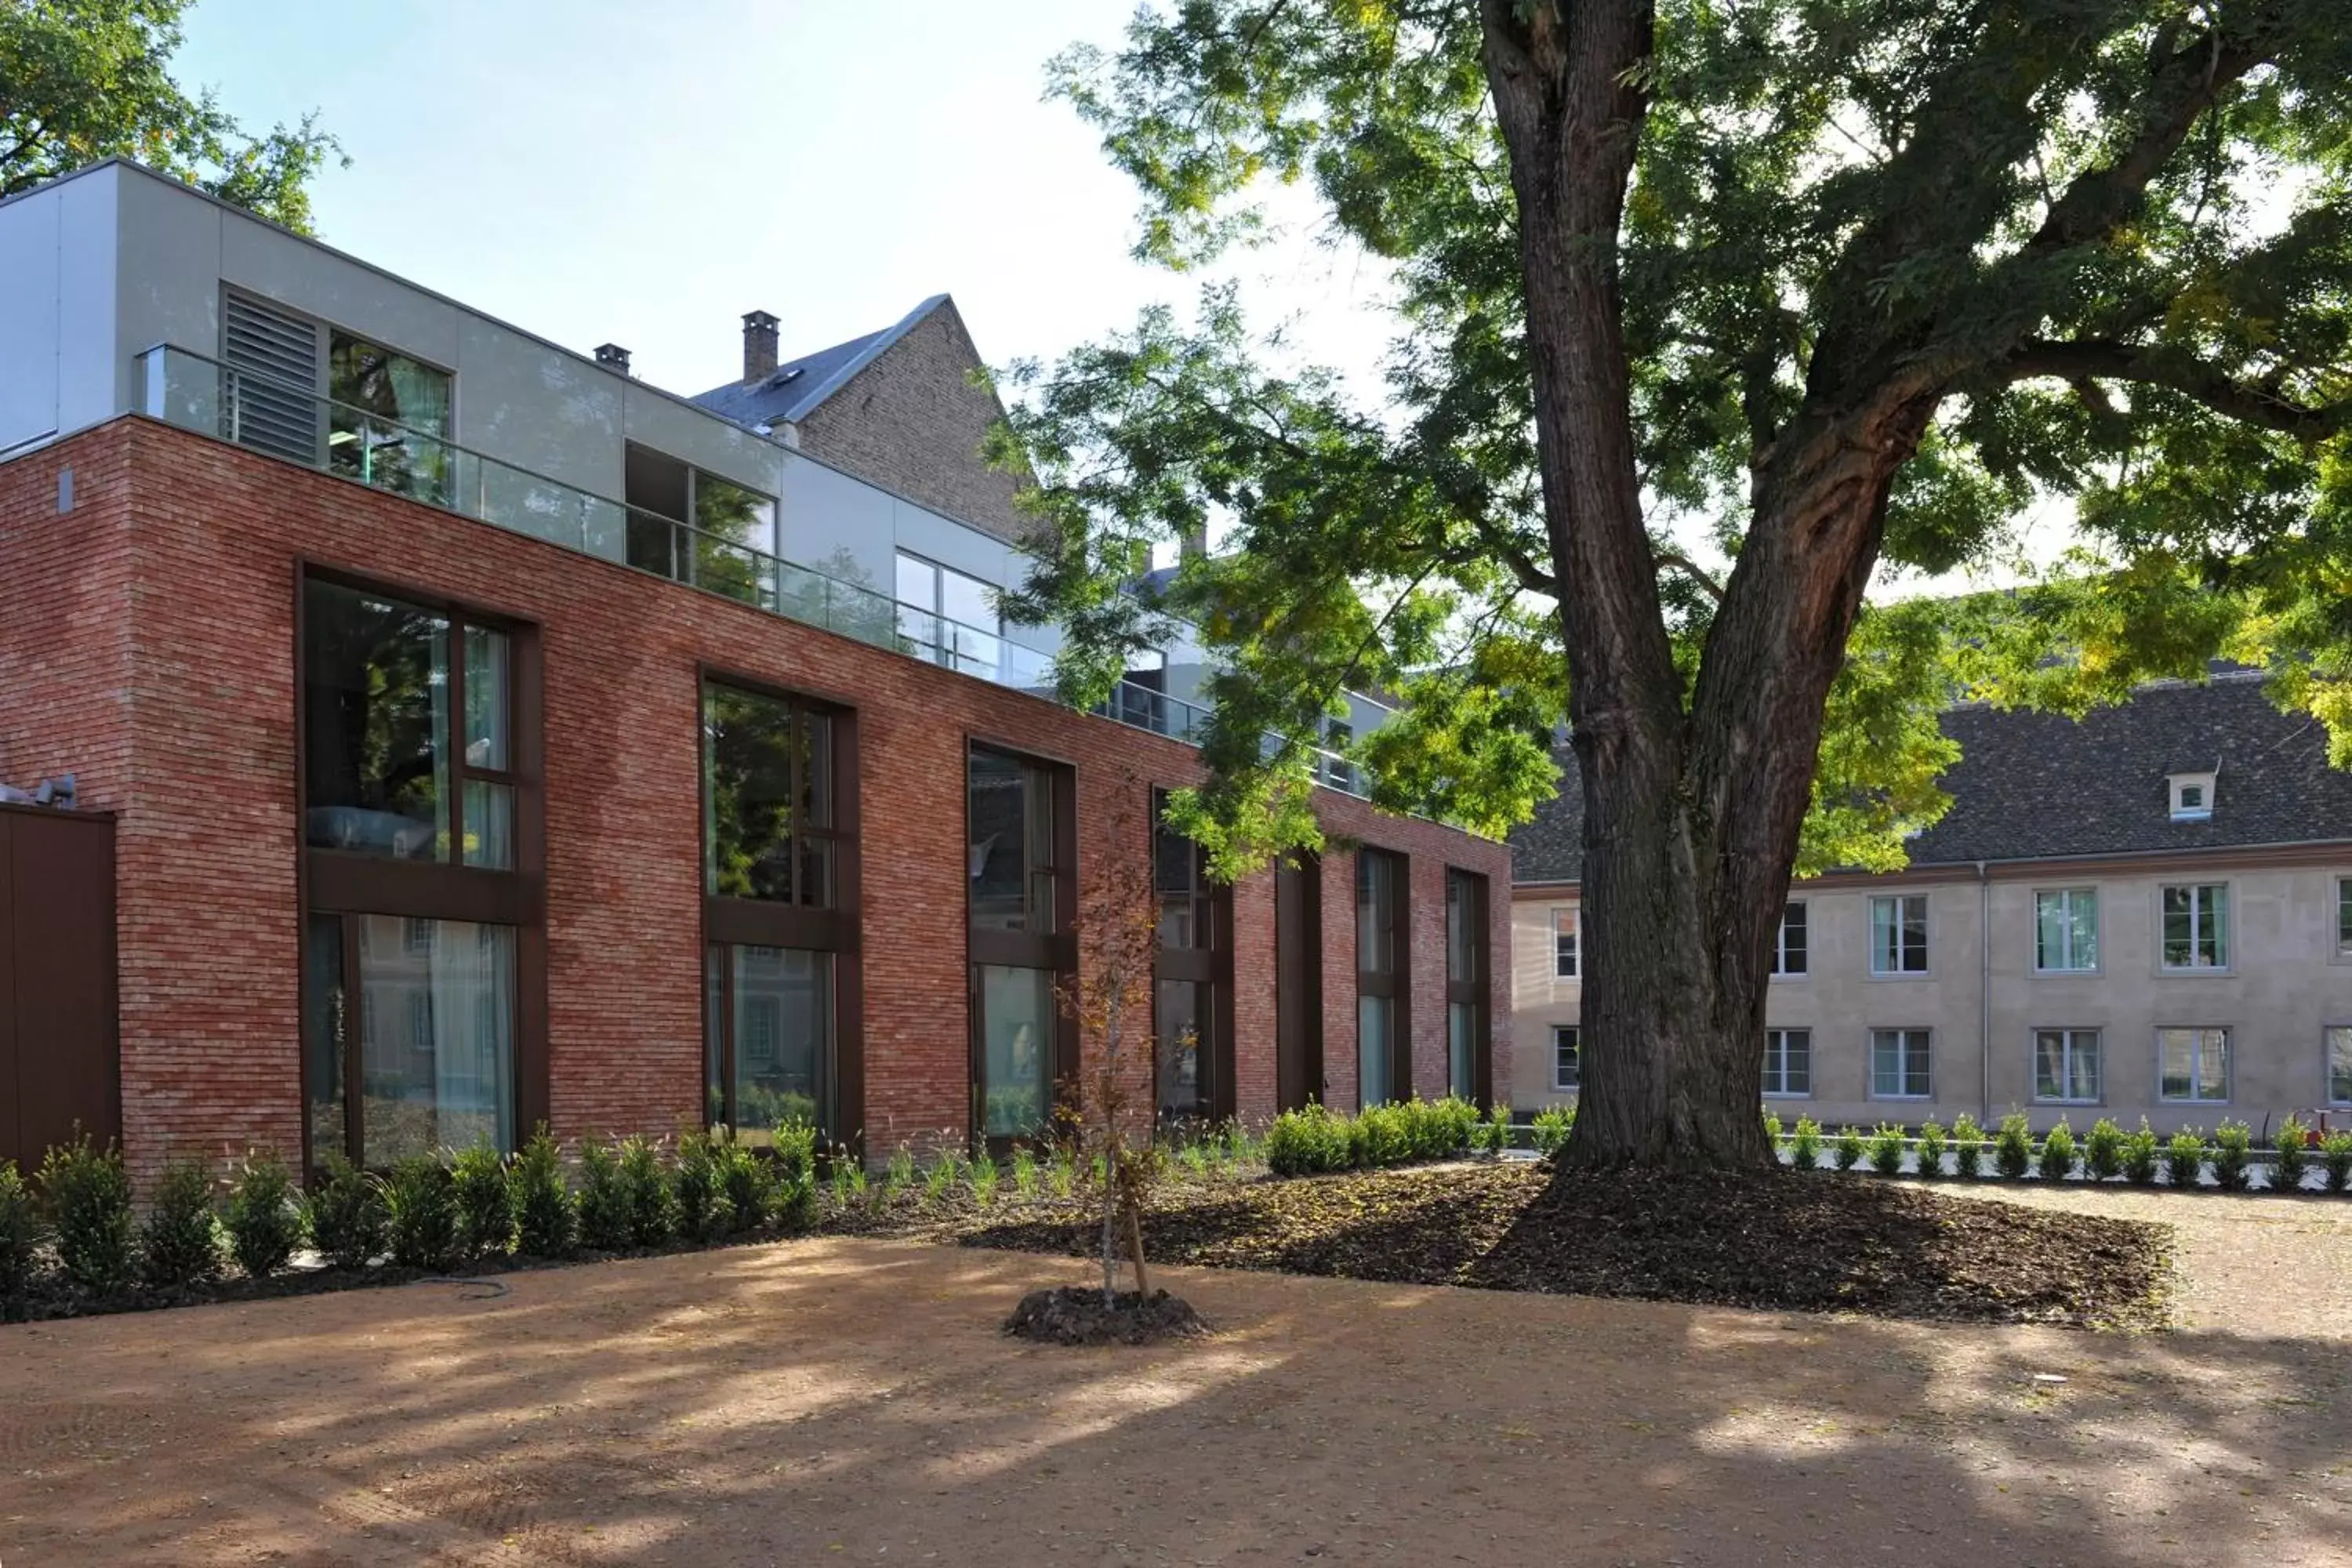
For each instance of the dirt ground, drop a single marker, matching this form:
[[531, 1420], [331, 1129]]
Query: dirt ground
[[852, 1401]]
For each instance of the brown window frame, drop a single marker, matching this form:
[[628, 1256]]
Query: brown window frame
[[1394, 984], [993, 946], [1208, 963], [1469, 891]]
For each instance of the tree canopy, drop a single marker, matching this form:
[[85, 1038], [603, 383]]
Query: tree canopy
[[86, 79], [2088, 255]]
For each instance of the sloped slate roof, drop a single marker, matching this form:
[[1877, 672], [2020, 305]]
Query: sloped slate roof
[[2036, 785], [793, 391]]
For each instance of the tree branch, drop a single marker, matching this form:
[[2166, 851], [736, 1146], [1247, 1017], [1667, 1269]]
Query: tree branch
[[2246, 402], [1692, 570]]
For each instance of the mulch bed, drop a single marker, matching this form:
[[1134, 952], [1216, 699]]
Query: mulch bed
[[1077, 1315], [1789, 1241]]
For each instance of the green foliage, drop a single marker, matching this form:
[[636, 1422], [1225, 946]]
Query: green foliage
[[1932, 1143], [263, 1217], [20, 1241], [2140, 1155], [1887, 1150], [1805, 1145], [179, 1242], [1772, 1129], [652, 1203], [1308, 1141], [946, 1170], [2102, 1150], [796, 1147], [1025, 1174], [1850, 1149], [2012, 1147], [900, 1174], [88, 1195], [1194, 1159], [546, 1223], [2057, 1160], [750, 1187], [2184, 1158], [1968, 1147], [2336, 1156], [702, 1207], [423, 1226], [1494, 1133], [605, 1204], [2293, 1157], [984, 1179], [346, 1215], [90, 79], [1062, 1172], [483, 1190], [2233, 1156]]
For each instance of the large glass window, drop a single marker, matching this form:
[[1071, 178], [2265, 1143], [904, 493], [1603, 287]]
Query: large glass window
[[1898, 934], [1017, 1015], [2339, 1064], [1466, 981], [1788, 1063], [949, 615], [1191, 967], [1017, 845], [1901, 1065], [387, 420], [2066, 929], [429, 1045], [1181, 1024], [769, 1053], [1380, 1071], [1788, 943], [2194, 1064], [2197, 926], [2066, 1065], [1567, 957], [1566, 1063], [1013, 878], [769, 767], [695, 527]]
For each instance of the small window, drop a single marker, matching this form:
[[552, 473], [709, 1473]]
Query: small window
[[2197, 926], [2195, 1064], [2339, 1064], [1901, 1065], [1788, 1063], [1564, 1063], [1565, 956], [1788, 944], [2192, 795], [1898, 934], [694, 527], [2066, 929], [949, 617], [2066, 1065], [2344, 918]]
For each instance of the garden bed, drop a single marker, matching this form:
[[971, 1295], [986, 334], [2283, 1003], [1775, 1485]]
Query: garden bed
[[1785, 1241]]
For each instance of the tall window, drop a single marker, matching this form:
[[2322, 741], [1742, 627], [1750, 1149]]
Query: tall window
[[2344, 918], [413, 976], [2066, 929], [1898, 934], [388, 420], [1566, 1066], [1018, 862], [695, 527], [1380, 1071], [2066, 1065], [2339, 1064], [1465, 983], [1901, 1065], [1788, 1063], [2194, 1064], [1191, 977], [2197, 926], [1788, 943], [778, 866], [949, 616], [1566, 958]]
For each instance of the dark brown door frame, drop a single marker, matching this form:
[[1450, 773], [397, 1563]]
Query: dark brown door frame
[[1476, 988], [1298, 982], [1396, 983], [1209, 962], [1056, 951]]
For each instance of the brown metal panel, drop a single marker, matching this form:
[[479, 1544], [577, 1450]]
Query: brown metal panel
[[428, 889], [61, 900]]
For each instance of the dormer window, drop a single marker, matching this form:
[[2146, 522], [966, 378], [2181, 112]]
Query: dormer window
[[2192, 797]]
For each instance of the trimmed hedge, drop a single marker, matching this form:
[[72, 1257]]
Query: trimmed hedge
[[1317, 1139]]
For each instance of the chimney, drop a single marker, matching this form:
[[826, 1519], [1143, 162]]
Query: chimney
[[1193, 543], [758, 345], [612, 356]]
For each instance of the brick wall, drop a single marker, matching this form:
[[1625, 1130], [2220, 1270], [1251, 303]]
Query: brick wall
[[147, 643], [912, 421]]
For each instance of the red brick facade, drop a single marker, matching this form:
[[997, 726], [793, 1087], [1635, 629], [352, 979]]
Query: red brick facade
[[147, 643]]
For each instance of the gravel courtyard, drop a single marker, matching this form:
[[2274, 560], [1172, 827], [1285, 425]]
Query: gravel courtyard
[[852, 1401]]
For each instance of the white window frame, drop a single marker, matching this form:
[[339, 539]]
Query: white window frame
[[2330, 1036], [1574, 919], [2228, 1064], [2344, 920], [1576, 1033], [2177, 787], [2067, 896], [2225, 939], [1904, 1031], [1776, 1049], [2069, 1047], [1780, 970], [1926, 937]]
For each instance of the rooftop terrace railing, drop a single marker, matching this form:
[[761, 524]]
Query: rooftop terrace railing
[[196, 393]]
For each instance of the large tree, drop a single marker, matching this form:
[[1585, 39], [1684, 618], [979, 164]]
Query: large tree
[[85, 79], [1816, 288]]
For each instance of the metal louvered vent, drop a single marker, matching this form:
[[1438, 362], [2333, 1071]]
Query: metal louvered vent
[[270, 401]]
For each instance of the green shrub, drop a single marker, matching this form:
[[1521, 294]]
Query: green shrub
[[1772, 1130], [2293, 1157], [984, 1178], [1025, 1174], [2336, 1157], [88, 1194], [2184, 1158], [653, 1205], [1849, 1148], [747, 1183], [2057, 1160], [900, 1174], [1887, 1150], [420, 1213], [179, 1243], [2012, 1147], [20, 1241], [1494, 1134], [2140, 1163], [1968, 1147], [1195, 1161], [1062, 1172], [346, 1215], [483, 1191], [1304, 1142], [263, 1216], [945, 1171], [694, 1184], [546, 1224], [1383, 1135], [2102, 1150], [1805, 1145], [1448, 1127], [795, 1204], [2233, 1156], [603, 1197], [1932, 1143], [1549, 1131]]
